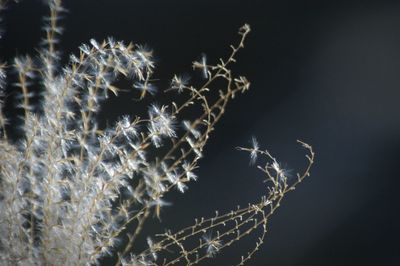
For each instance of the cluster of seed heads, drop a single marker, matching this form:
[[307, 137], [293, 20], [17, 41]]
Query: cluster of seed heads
[[69, 189]]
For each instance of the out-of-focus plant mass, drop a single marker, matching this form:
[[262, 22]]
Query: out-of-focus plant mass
[[70, 189]]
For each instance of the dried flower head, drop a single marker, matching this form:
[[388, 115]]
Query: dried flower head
[[69, 190]]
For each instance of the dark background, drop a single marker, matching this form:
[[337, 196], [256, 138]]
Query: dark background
[[326, 72]]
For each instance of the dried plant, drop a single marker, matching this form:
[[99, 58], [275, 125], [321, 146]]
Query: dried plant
[[69, 190]]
